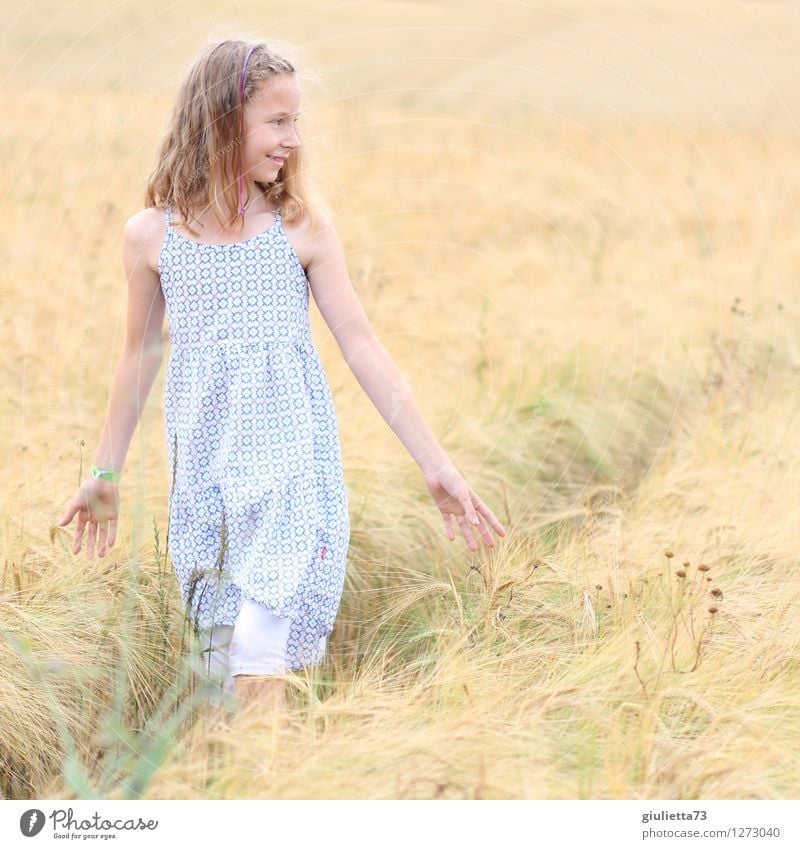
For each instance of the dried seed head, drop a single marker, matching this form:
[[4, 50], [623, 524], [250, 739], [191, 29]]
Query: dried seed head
[[598, 587], [708, 578], [686, 564], [668, 554], [712, 610], [703, 567], [680, 573], [716, 592]]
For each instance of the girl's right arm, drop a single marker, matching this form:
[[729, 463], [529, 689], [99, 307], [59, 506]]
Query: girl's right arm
[[96, 501]]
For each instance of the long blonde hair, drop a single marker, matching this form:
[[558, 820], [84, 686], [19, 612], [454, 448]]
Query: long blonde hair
[[202, 146]]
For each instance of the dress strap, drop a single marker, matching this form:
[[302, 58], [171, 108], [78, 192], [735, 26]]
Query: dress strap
[[168, 216]]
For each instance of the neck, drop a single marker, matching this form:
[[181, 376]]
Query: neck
[[247, 189], [251, 191]]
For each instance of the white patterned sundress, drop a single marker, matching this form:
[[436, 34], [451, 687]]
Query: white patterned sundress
[[258, 505]]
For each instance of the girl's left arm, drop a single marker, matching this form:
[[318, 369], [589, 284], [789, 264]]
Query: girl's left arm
[[383, 383]]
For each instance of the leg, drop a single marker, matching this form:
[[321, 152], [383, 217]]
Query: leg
[[214, 643], [268, 693], [257, 655], [263, 689]]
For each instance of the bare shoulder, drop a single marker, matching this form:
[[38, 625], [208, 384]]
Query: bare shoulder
[[143, 236], [314, 240]]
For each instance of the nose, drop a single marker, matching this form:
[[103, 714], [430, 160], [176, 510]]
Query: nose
[[293, 140]]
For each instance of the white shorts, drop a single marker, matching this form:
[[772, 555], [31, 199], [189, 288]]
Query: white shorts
[[256, 645]]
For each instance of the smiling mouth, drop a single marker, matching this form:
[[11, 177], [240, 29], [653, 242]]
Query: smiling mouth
[[277, 160]]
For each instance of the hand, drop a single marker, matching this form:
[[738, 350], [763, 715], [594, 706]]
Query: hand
[[95, 502], [454, 497]]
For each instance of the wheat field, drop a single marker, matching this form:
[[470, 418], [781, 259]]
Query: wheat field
[[575, 230]]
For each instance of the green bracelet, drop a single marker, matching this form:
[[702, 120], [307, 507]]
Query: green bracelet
[[105, 474]]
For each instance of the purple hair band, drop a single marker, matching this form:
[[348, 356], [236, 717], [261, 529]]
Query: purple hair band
[[241, 100]]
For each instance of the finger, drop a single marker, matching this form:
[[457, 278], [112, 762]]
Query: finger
[[486, 533], [448, 526], [103, 534], [112, 532], [79, 527], [466, 529], [493, 520], [469, 509], [90, 541], [68, 514]]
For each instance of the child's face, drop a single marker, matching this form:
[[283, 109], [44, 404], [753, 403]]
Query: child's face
[[270, 131]]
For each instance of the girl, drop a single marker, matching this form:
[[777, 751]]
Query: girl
[[258, 508]]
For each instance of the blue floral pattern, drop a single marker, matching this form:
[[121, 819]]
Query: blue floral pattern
[[258, 504]]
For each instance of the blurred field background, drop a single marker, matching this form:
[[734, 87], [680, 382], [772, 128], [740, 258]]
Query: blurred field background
[[574, 227]]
